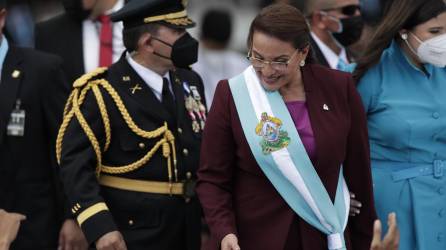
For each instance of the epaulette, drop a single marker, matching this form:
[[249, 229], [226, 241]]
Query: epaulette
[[83, 80]]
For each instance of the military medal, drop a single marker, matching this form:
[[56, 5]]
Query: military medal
[[199, 107], [273, 138], [189, 104], [193, 108], [16, 125]]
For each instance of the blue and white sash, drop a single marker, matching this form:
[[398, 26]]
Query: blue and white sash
[[289, 168]]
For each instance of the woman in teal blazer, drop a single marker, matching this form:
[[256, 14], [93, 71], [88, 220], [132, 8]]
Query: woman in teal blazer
[[402, 82]]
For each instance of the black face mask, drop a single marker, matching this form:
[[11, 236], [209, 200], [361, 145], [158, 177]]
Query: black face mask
[[351, 30], [184, 51], [75, 9]]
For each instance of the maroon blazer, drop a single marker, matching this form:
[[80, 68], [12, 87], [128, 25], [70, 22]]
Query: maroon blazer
[[238, 198]]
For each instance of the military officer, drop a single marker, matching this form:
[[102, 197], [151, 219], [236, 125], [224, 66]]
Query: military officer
[[129, 144]]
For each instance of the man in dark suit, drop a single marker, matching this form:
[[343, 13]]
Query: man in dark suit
[[334, 25], [129, 144], [83, 36], [32, 95]]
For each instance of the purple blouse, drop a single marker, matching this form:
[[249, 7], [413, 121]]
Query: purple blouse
[[301, 119]]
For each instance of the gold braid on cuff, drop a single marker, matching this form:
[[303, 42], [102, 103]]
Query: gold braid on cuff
[[89, 212]]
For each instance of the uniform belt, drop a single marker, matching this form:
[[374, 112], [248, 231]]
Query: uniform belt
[[155, 187]]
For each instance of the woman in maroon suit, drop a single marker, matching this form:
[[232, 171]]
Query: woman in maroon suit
[[242, 207]]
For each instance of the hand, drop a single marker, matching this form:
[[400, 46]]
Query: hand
[[392, 238], [9, 226], [355, 205], [71, 237], [111, 241], [230, 242]]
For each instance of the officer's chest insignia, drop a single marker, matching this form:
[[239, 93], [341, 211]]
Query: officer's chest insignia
[[126, 78], [273, 137], [135, 88], [194, 106]]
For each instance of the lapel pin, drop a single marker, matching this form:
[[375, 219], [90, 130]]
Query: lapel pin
[[325, 107], [135, 88], [15, 74], [177, 80], [126, 78]]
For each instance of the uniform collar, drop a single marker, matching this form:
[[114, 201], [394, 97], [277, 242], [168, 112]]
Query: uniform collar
[[150, 77]]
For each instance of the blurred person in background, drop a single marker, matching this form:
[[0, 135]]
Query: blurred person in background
[[83, 36], [33, 91], [335, 25], [401, 78], [216, 60], [20, 23], [371, 11]]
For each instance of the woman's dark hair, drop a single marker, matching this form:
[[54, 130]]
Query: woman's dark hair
[[398, 15], [285, 23]]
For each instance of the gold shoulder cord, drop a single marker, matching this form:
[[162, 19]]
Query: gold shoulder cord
[[72, 109]]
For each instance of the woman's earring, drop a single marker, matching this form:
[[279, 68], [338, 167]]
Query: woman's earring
[[404, 36], [302, 63]]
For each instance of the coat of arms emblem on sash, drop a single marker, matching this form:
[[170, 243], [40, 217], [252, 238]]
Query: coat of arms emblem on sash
[[273, 137]]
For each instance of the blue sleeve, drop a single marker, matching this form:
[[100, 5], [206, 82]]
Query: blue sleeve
[[368, 89]]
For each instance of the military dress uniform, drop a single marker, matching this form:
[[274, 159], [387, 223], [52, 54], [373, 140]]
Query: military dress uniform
[[128, 162]]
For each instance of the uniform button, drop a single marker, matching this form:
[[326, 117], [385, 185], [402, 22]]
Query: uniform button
[[188, 175], [440, 237], [141, 145], [435, 115], [435, 137], [441, 213], [440, 191], [180, 131], [131, 222], [185, 152]]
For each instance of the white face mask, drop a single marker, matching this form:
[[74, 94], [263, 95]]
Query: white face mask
[[432, 51]]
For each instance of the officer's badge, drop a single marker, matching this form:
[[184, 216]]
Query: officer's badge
[[273, 138], [135, 88]]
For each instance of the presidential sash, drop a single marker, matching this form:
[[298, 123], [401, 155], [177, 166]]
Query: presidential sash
[[278, 149]]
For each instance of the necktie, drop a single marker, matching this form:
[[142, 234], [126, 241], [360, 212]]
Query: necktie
[[106, 41], [167, 98], [346, 67]]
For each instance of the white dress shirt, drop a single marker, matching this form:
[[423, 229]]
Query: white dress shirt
[[91, 30], [331, 57], [151, 78]]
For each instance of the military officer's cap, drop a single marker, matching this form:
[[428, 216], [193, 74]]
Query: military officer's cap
[[171, 13]]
